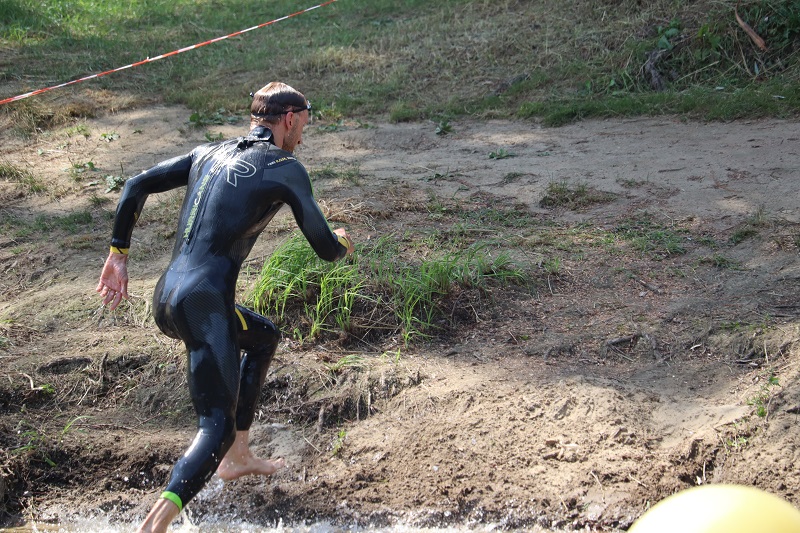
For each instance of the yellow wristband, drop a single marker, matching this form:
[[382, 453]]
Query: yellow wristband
[[344, 241], [116, 250]]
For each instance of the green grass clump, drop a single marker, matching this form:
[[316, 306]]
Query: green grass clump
[[23, 228], [14, 174], [751, 226], [647, 236], [561, 194], [743, 234], [374, 294], [772, 98], [760, 401], [720, 261], [403, 112], [487, 217], [350, 175]]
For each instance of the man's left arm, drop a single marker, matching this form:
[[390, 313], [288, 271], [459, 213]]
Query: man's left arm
[[170, 174], [165, 176], [329, 245]]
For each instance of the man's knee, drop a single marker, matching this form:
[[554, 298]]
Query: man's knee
[[260, 334], [219, 431], [267, 328]]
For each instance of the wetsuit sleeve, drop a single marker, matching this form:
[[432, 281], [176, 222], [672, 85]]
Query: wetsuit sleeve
[[165, 176], [309, 216]]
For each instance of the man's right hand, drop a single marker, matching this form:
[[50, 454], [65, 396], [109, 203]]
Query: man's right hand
[[113, 286]]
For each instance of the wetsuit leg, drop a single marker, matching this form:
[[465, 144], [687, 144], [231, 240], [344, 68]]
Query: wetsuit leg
[[207, 325], [258, 338], [162, 311]]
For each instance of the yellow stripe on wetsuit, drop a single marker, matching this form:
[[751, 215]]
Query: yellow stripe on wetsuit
[[241, 317]]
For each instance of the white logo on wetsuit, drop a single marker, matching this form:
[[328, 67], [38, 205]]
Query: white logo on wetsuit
[[239, 169]]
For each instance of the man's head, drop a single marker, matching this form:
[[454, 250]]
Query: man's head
[[282, 109]]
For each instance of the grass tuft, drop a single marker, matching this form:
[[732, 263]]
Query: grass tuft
[[14, 174], [651, 238], [380, 295], [580, 196]]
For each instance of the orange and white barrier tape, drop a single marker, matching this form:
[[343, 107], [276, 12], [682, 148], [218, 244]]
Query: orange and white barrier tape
[[162, 56]]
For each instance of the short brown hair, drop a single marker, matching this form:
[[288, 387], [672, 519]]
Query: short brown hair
[[275, 99]]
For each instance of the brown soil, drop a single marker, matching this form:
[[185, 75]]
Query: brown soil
[[625, 376]]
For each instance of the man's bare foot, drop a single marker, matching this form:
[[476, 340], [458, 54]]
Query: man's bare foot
[[229, 469], [240, 461]]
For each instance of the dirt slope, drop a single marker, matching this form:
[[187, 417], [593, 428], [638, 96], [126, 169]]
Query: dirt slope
[[632, 371]]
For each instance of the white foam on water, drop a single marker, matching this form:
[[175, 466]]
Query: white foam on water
[[99, 525], [94, 526], [230, 523]]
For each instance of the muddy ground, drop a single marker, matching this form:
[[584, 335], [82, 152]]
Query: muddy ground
[[630, 370]]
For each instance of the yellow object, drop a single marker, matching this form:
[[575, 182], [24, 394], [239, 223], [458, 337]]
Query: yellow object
[[720, 509], [344, 241]]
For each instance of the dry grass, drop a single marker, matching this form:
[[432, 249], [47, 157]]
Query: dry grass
[[418, 59]]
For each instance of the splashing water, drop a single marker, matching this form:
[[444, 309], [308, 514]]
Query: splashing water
[[100, 526], [227, 523], [217, 525]]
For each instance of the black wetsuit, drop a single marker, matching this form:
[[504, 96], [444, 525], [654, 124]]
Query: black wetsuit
[[234, 188]]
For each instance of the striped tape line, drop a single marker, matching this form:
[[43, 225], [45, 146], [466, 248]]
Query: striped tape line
[[162, 56]]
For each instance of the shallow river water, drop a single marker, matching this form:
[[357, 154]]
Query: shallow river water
[[99, 526]]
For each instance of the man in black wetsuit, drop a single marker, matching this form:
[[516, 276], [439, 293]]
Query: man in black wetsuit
[[234, 188]]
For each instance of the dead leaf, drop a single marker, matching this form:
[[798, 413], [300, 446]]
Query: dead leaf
[[750, 31]]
